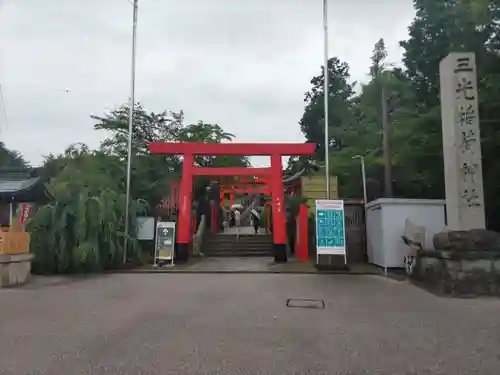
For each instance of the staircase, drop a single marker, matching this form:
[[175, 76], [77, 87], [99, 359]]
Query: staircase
[[246, 245]]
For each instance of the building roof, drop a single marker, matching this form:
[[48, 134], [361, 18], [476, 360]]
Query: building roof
[[21, 186], [13, 186]]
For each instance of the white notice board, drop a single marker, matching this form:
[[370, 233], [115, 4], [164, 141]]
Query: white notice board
[[165, 242], [145, 228], [330, 228]]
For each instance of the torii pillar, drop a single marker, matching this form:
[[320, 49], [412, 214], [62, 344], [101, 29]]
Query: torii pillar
[[279, 225]]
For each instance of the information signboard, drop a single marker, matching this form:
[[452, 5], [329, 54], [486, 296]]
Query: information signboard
[[330, 228], [145, 228], [165, 242]]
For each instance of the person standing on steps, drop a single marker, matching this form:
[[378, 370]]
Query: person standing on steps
[[237, 220], [232, 220], [256, 219]]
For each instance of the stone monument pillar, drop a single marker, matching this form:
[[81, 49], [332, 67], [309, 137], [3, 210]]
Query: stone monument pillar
[[461, 142]]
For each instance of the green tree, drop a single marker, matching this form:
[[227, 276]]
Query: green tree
[[11, 159], [378, 59], [340, 93], [82, 230], [147, 127], [211, 133], [355, 127], [441, 27], [417, 170], [150, 174], [445, 26]]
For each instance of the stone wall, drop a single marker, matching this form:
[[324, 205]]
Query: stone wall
[[459, 273]]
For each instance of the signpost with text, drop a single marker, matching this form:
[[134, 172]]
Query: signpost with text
[[165, 243], [463, 173], [330, 228]]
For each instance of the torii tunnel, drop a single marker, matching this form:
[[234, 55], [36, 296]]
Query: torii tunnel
[[274, 174]]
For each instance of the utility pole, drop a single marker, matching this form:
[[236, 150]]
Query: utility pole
[[130, 129], [363, 177], [386, 143], [4, 110]]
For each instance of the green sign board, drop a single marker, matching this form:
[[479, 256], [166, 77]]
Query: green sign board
[[330, 227]]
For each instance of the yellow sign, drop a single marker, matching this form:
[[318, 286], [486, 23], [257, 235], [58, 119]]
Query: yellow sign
[[165, 254], [313, 188], [165, 241]]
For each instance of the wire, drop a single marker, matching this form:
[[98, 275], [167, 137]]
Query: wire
[[4, 110]]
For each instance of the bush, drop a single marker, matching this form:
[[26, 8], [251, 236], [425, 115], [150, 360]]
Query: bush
[[82, 230], [83, 234]]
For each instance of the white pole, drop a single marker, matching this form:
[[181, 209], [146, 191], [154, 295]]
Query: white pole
[[363, 175], [365, 196], [325, 78], [130, 129]]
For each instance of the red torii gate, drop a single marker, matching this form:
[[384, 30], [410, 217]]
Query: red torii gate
[[274, 175], [258, 185]]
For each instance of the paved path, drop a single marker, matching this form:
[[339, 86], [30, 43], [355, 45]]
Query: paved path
[[239, 324], [252, 265], [235, 264], [232, 264]]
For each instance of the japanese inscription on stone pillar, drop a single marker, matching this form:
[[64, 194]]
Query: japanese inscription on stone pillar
[[461, 142]]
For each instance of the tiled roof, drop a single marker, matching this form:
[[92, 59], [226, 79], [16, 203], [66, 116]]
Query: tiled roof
[[14, 186]]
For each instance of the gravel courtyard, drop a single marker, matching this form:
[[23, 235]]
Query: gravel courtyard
[[240, 324]]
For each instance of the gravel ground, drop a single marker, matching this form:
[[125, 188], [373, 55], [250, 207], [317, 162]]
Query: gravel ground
[[239, 324]]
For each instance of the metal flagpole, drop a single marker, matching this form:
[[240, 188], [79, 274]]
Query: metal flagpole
[[325, 78], [386, 143], [130, 130]]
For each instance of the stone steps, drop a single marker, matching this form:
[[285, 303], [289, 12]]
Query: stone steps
[[225, 245]]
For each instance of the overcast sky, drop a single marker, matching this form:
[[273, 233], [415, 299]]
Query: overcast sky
[[244, 64]]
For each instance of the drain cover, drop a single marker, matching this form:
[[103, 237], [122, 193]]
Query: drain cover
[[305, 303]]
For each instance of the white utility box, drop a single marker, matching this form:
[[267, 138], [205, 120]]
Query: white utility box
[[385, 225]]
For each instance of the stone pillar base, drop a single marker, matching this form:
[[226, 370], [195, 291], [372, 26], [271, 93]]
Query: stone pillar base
[[280, 254], [15, 269], [458, 273], [181, 253]]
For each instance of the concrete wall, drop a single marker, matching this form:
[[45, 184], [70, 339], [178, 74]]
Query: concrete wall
[[14, 269]]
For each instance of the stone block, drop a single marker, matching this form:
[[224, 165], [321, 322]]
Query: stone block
[[496, 266], [453, 266], [437, 265], [476, 239], [478, 265], [494, 288], [15, 269], [466, 273]]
